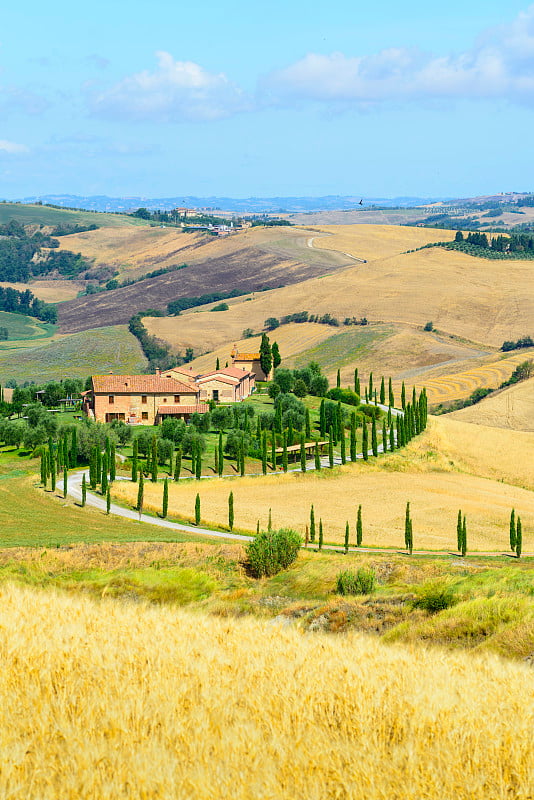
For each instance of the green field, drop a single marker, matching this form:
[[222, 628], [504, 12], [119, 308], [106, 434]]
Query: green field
[[341, 349], [21, 327], [36, 214], [77, 356]]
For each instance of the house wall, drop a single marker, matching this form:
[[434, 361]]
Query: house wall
[[251, 366], [227, 392], [125, 406]]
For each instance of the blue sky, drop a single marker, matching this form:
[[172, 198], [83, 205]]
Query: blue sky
[[376, 99]]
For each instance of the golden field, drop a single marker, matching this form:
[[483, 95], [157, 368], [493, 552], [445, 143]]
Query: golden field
[[110, 700], [511, 408], [376, 241], [452, 465], [49, 291]]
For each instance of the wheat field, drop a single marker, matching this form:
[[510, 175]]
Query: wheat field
[[376, 241], [512, 408], [108, 700]]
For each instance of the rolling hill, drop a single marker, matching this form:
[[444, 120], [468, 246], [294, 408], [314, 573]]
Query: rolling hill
[[511, 408]]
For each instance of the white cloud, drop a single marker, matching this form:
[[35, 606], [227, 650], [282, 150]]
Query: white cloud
[[176, 91], [12, 147], [500, 65]]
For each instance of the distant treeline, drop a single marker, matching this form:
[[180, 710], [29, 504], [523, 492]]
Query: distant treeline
[[512, 246], [67, 228], [322, 319], [156, 350], [22, 258], [183, 303], [526, 341], [26, 303]]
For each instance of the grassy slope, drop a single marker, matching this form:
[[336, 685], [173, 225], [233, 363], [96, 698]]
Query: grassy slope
[[50, 291], [117, 700], [77, 356], [510, 408], [22, 327], [42, 215]]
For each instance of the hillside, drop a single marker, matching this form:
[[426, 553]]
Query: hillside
[[511, 408], [36, 214], [126, 701]]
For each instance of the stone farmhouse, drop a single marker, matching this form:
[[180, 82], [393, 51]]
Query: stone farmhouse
[[178, 393], [250, 362]]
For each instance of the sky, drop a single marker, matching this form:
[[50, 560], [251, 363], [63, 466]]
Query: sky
[[242, 99]]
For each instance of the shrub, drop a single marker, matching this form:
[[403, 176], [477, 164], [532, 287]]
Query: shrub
[[435, 596], [429, 326], [220, 307], [360, 582], [272, 551]]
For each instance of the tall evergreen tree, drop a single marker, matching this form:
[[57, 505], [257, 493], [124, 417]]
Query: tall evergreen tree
[[407, 526], [403, 396], [198, 464], [464, 537], [112, 467], [338, 428], [135, 451], [359, 527], [338, 379], [370, 392], [140, 493], [317, 458], [104, 475], [518, 538], [264, 452], [330, 448], [302, 453], [165, 501], [231, 511], [154, 459], [391, 395], [307, 425], [384, 437], [65, 480], [512, 531], [270, 522], [392, 439], [322, 419], [84, 490], [312, 524], [197, 510], [343, 447], [98, 465], [374, 440], [284, 451], [356, 382], [275, 352], [353, 444], [178, 464], [320, 534], [347, 535], [459, 532], [266, 358], [217, 364], [273, 450], [365, 442], [382, 391], [108, 500]]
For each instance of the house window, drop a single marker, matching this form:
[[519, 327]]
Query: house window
[[216, 394], [144, 415], [177, 398], [111, 399], [164, 399], [144, 398]]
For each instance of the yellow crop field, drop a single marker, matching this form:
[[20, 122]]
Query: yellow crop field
[[49, 291], [110, 700], [511, 408], [452, 465], [376, 241]]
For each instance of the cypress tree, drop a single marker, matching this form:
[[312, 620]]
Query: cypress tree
[[382, 391], [370, 392], [307, 425], [464, 537], [403, 396], [347, 535], [98, 465], [512, 531], [384, 437], [65, 480], [302, 453], [338, 428], [273, 450], [275, 352], [178, 464], [352, 447], [391, 395], [108, 500], [112, 468], [266, 358], [108, 449], [518, 538], [197, 510], [407, 526], [84, 490], [140, 493], [391, 439], [242, 458], [278, 418], [165, 501], [231, 511], [215, 460], [389, 417], [220, 466], [356, 382], [330, 448], [414, 397], [171, 458], [217, 364], [284, 452], [365, 442], [270, 522], [317, 458], [264, 452], [104, 476], [374, 440], [290, 435], [343, 448], [198, 465], [410, 546], [154, 459], [359, 527], [43, 469], [312, 524], [338, 380], [459, 532], [366, 398], [134, 460], [322, 419], [51, 457], [320, 534]]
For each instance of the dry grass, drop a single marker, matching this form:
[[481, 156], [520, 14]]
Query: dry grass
[[49, 291], [376, 241], [123, 701], [453, 465], [511, 408]]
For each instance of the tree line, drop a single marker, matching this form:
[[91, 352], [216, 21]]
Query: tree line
[[22, 256]]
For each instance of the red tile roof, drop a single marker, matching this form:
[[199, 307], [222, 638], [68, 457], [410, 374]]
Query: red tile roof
[[201, 408], [246, 357], [140, 384], [227, 372]]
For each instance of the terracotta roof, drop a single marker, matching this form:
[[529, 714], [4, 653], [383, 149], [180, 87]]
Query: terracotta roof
[[202, 408], [220, 378], [188, 373], [227, 372], [140, 384], [247, 357]]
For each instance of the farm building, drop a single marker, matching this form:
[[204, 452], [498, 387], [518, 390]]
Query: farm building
[[250, 362], [228, 385], [144, 399]]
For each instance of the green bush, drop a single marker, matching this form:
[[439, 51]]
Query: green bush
[[360, 582], [435, 596], [272, 552]]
